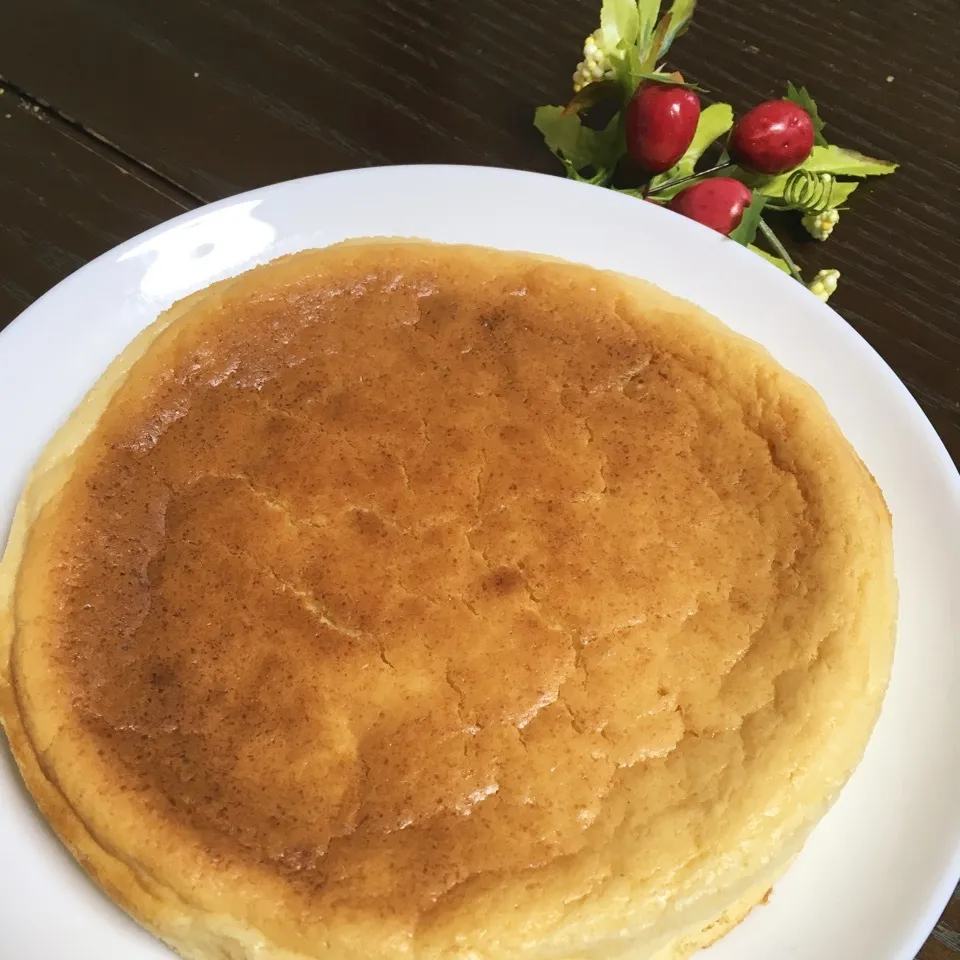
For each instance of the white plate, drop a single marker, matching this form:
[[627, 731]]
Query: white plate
[[878, 870]]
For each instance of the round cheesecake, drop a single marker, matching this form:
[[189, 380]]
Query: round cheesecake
[[400, 601]]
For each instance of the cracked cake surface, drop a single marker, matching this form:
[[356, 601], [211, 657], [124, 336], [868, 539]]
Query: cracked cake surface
[[403, 600]]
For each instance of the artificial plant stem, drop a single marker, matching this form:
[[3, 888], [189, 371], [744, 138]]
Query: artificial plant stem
[[660, 187], [780, 250]]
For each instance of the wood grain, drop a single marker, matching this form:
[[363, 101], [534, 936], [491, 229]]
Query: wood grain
[[64, 200], [197, 99]]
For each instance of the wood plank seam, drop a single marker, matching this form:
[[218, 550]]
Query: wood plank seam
[[149, 173]]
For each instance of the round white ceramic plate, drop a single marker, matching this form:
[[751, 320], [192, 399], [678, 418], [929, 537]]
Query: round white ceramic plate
[[877, 871]]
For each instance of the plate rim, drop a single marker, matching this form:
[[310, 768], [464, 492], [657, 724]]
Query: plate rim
[[918, 422]]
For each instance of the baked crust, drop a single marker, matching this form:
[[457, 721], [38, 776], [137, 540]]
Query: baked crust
[[404, 600]]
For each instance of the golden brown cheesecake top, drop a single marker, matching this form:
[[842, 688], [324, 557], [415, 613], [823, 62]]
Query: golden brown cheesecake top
[[399, 584]]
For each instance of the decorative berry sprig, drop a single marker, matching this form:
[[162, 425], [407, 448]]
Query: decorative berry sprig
[[775, 156]]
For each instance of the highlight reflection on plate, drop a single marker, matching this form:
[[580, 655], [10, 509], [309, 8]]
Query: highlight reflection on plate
[[186, 257]]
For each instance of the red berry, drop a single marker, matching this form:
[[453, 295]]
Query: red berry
[[717, 203], [661, 121], [773, 137]]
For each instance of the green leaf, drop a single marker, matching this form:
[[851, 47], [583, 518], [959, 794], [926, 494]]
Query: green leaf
[[833, 160], [648, 11], [681, 13], [846, 163], [619, 23], [564, 134], [750, 223], [609, 144], [659, 77], [841, 192], [802, 98], [579, 146], [635, 69], [651, 51], [778, 262], [714, 122]]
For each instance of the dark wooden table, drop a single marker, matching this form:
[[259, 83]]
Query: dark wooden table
[[117, 114]]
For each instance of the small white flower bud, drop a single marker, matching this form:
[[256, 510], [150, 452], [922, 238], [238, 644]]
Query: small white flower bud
[[824, 284], [820, 225]]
